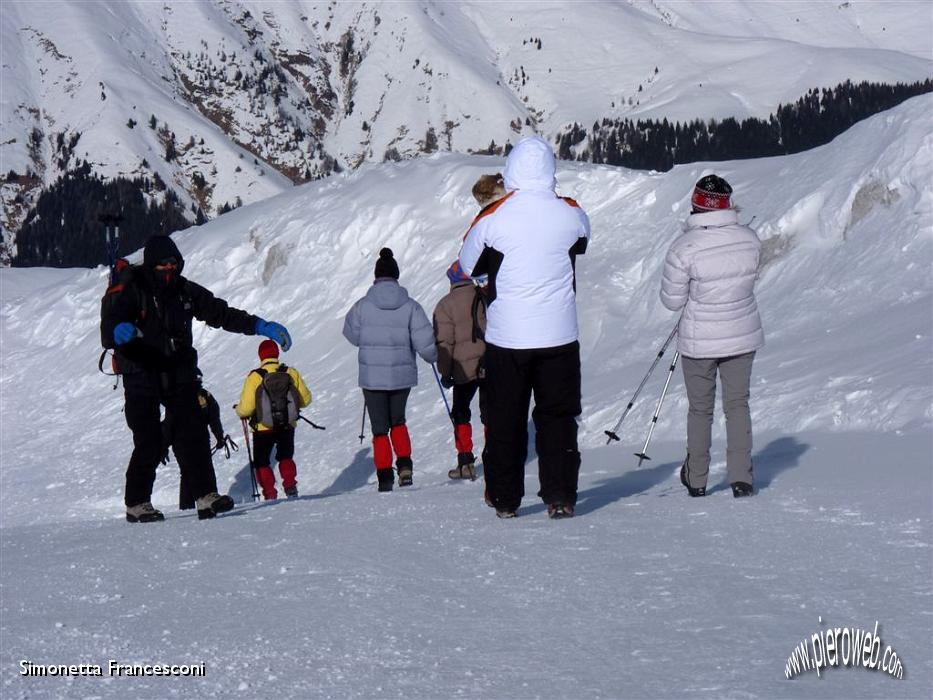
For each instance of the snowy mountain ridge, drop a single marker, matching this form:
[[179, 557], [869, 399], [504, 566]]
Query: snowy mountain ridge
[[249, 97]]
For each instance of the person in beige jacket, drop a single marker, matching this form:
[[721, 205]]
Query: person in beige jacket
[[459, 325]]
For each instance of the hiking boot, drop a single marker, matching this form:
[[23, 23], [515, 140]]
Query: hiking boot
[[506, 513], [291, 491], [695, 492], [213, 504], [404, 466], [386, 479], [143, 513], [464, 471], [556, 511], [740, 489], [488, 499]]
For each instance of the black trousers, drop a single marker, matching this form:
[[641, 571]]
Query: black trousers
[[512, 376], [143, 395], [264, 440], [386, 408], [463, 397]]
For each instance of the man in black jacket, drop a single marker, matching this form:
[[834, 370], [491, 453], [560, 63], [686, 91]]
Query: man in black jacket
[[148, 323]]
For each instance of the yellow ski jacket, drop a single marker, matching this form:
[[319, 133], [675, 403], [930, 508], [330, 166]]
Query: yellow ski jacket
[[246, 407]]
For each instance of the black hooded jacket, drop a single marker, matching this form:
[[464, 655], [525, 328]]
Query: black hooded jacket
[[162, 309]]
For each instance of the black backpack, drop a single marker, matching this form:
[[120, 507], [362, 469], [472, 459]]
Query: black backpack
[[276, 399], [121, 276]]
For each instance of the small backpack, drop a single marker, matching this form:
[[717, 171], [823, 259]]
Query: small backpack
[[276, 399]]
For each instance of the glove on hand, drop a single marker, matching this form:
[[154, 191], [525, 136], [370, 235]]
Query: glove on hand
[[447, 382], [124, 333], [274, 331]]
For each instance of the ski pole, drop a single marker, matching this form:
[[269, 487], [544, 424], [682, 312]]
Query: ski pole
[[613, 434], [440, 386], [249, 452], [311, 423], [363, 422], [654, 420]]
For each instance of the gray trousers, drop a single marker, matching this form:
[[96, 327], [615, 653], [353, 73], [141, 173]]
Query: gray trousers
[[735, 374]]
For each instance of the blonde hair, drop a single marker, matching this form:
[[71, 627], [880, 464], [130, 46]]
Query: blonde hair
[[488, 189]]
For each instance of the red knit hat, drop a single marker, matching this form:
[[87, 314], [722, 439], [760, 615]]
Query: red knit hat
[[268, 350], [711, 193]]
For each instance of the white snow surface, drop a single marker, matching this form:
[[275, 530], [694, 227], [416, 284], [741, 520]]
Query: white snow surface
[[424, 593]]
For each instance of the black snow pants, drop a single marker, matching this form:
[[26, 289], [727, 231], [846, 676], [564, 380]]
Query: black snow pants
[[512, 376], [143, 394]]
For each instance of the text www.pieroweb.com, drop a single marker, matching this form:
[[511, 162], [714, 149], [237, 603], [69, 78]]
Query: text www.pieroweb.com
[[843, 646]]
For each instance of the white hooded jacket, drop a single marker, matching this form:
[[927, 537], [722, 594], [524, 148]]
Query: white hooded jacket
[[527, 244], [710, 273]]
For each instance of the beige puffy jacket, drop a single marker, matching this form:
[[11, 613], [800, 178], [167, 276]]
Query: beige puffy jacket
[[458, 354]]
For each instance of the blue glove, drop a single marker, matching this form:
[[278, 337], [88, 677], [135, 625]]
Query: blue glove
[[124, 333], [274, 331]]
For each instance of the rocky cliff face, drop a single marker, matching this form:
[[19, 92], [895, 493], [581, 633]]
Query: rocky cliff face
[[226, 102]]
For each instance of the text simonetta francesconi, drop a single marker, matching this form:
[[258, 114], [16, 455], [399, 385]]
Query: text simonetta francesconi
[[112, 668]]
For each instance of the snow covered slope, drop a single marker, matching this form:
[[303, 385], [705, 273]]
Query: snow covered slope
[[302, 86], [425, 593]]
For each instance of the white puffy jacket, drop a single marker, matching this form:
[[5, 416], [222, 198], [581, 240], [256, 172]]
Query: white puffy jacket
[[527, 243], [710, 273]]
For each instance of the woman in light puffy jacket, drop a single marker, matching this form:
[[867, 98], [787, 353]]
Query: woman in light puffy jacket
[[389, 327], [710, 273]]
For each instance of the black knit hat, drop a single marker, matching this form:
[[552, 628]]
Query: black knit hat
[[386, 265]]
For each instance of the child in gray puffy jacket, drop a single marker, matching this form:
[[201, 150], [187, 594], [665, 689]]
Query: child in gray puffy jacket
[[389, 327]]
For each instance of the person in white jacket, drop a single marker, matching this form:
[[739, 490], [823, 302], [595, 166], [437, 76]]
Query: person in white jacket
[[710, 273], [527, 243]]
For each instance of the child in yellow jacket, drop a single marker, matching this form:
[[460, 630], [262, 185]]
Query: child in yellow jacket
[[265, 437]]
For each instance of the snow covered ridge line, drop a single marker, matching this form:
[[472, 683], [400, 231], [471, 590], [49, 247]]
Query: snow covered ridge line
[[843, 646], [114, 668]]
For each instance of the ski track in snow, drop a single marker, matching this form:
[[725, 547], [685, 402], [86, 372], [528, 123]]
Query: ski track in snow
[[423, 592]]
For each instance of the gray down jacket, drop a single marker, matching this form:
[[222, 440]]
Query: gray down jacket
[[389, 327], [710, 273]]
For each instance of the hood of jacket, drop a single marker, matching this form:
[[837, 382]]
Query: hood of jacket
[[530, 166], [711, 219], [387, 293], [159, 248]]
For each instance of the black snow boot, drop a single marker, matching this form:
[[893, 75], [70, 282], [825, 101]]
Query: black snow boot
[[556, 511], [386, 479], [695, 492], [740, 489]]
